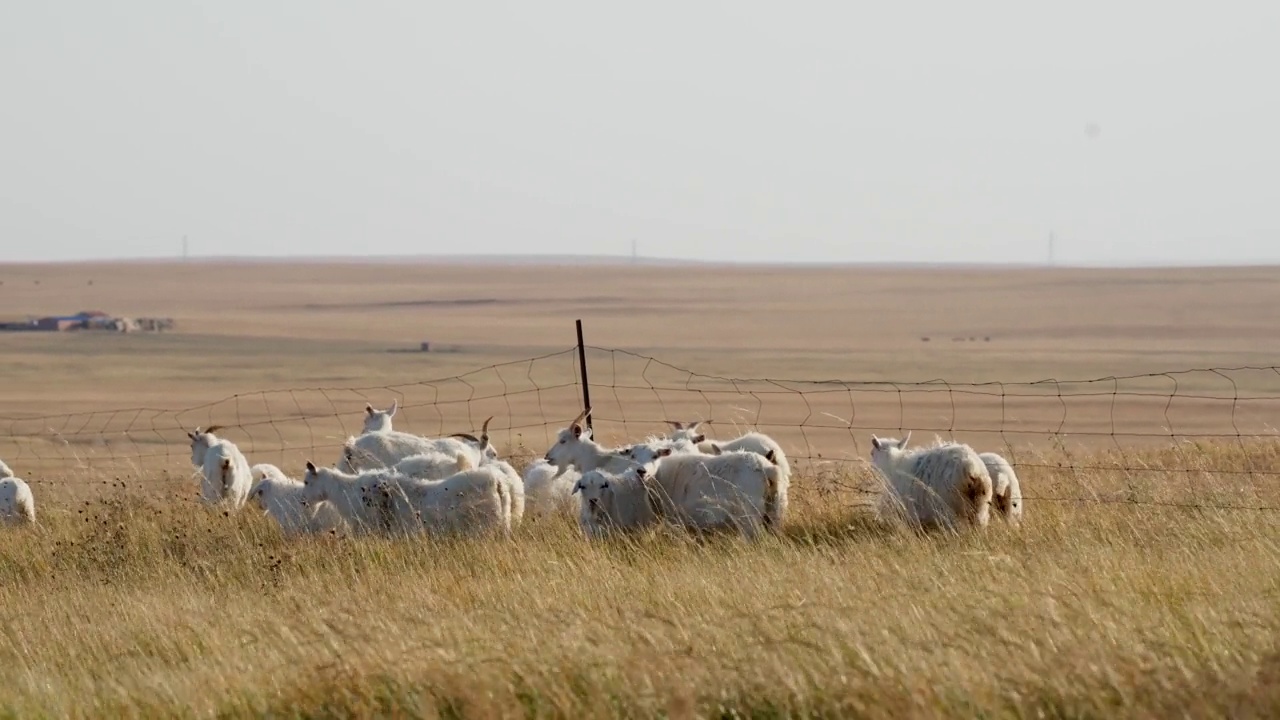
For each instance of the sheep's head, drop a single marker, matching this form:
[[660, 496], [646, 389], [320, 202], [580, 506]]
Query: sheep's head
[[563, 452], [487, 450], [379, 420], [313, 486], [595, 491], [887, 449], [690, 432], [258, 495], [201, 440]]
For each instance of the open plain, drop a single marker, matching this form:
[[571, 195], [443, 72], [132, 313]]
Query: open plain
[[1145, 581]]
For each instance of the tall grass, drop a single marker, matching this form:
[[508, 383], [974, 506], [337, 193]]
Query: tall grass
[[1101, 605]]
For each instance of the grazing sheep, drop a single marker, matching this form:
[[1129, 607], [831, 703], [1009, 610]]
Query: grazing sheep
[[385, 448], [280, 497], [755, 442], [942, 485], [379, 420], [575, 447], [1006, 491], [226, 475], [5, 472], [613, 502], [17, 504], [350, 495], [473, 502], [709, 492], [549, 490], [434, 465]]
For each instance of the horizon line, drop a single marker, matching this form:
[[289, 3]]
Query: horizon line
[[623, 260]]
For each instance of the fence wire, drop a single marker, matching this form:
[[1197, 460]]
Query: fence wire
[[1192, 438]]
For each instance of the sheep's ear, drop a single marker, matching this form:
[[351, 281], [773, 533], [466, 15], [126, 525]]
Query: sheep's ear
[[484, 432], [395, 405], [664, 452], [875, 441], [902, 444], [676, 425], [576, 487], [625, 452], [311, 467], [191, 435], [368, 409], [694, 425], [699, 439], [716, 449], [577, 430]]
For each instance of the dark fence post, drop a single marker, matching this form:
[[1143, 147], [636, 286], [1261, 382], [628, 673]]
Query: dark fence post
[[586, 389]]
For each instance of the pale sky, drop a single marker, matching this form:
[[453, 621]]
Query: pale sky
[[749, 130]]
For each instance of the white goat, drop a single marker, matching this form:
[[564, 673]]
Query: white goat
[[280, 496], [575, 447], [472, 502], [350, 495], [708, 492], [17, 504], [385, 448], [1006, 491], [379, 420], [755, 442], [549, 490], [942, 485], [434, 465], [226, 475], [609, 502]]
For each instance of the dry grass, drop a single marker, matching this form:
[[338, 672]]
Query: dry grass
[[1130, 591], [131, 607]]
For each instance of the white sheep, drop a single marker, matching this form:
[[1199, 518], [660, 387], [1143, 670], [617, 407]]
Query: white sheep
[[942, 485], [708, 492], [434, 465], [379, 420], [1006, 491], [755, 442], [613, 502], [549, 490], [350, 495], [473, 502], [575, 447], [280, 496], [17, 504], [385, 448], [226, 475]]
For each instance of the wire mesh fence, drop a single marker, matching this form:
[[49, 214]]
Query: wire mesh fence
[[1201, 438]]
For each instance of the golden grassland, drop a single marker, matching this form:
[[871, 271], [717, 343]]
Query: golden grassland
[[1096, 607], [1144, 582]]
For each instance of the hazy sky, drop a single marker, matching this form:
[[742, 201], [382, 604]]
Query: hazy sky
[[751, 130]]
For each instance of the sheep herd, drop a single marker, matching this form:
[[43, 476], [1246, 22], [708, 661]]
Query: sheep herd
[[388, 482]]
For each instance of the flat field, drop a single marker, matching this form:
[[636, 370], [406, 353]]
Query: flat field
[[1144, 581]]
